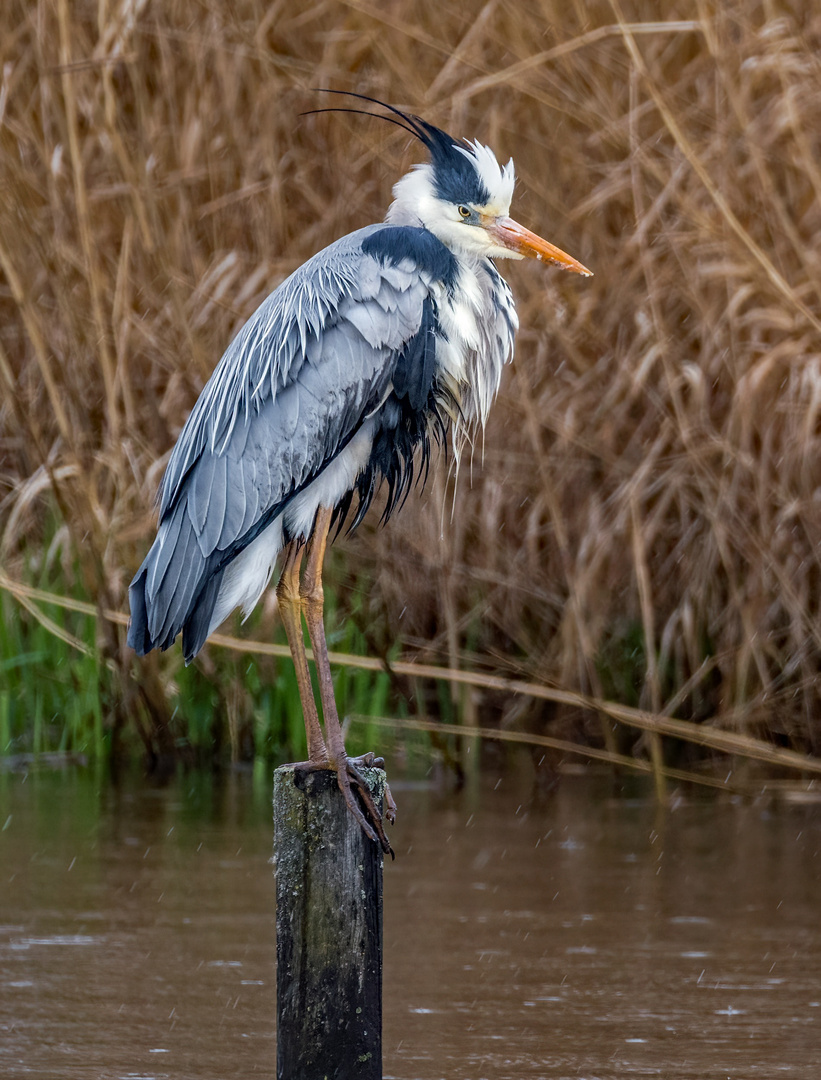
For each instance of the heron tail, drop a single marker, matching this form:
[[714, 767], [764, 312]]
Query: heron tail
[[174, 591]]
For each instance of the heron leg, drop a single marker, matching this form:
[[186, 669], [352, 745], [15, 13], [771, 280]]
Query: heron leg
[[312, 595], [290, 607]]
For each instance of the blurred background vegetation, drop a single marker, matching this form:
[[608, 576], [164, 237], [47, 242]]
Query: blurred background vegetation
[[641, 522]]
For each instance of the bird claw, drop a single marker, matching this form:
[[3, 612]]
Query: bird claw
[[390, 805], [370, 761], [373, 828], [346, 771]]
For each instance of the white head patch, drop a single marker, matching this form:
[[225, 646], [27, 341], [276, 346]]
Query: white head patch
[[498, 181]]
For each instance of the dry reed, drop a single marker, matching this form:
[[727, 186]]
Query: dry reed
[[641, 520]]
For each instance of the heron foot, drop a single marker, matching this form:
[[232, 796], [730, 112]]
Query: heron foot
[[349, 778], [371, 761]]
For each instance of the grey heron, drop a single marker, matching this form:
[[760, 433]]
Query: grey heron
[[385, 341]]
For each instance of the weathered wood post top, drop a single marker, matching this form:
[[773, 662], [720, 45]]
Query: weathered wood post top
[[329, 930]]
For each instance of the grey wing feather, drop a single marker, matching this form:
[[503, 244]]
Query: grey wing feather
[[288, 394], [249, 476], [267, 353]]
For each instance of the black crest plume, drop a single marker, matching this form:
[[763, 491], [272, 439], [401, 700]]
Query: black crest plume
[[455, 174]]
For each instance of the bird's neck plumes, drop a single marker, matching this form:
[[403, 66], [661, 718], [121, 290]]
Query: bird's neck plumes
[[475, 312], [479, 322]]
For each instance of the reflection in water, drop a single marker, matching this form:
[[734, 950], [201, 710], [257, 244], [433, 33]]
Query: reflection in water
[[593, 936]]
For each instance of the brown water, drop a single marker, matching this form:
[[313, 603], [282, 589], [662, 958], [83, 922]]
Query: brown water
[[593, 936]]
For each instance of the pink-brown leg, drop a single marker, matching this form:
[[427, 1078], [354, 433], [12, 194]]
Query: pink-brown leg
[[290, 607], [312, 596]]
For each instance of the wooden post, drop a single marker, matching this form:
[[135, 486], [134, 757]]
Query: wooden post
[[329, 931]]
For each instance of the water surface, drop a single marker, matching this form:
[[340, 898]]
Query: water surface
[[590, 935]]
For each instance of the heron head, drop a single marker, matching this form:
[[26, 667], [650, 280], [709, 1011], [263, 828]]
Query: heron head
[[463, 196]]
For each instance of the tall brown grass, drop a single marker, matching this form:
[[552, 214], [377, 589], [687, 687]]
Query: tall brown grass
[[642, 519]]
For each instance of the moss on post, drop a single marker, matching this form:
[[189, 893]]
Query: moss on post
[[329, 931]]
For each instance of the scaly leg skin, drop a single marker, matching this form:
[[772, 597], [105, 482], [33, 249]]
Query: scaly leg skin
[[311, 594], [290, 607]]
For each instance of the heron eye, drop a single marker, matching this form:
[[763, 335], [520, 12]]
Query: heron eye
[[464, 211]]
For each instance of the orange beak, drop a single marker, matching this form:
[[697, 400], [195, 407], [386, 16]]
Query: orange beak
[[515, 237]]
